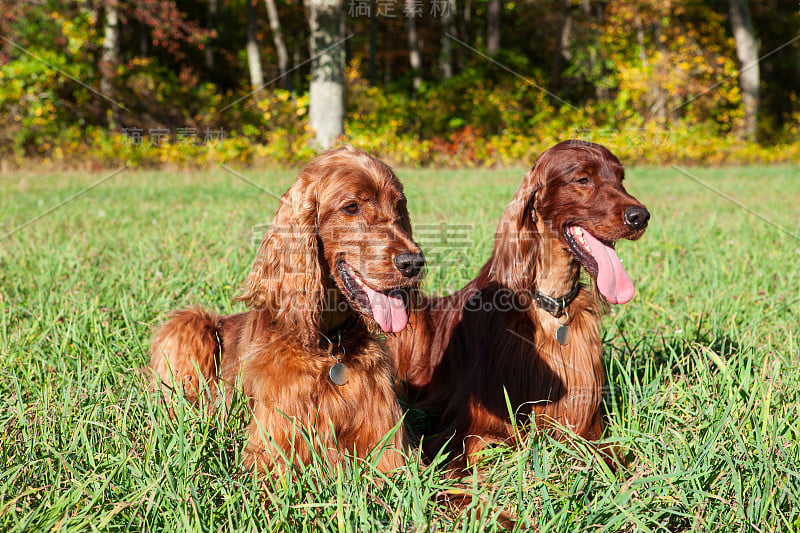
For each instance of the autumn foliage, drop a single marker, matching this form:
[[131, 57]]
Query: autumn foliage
[[655, 81]]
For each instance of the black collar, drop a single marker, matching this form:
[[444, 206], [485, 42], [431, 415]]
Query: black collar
[[556, 306], [332, 340]]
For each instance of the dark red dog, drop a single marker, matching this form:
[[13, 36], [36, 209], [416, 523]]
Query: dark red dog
[[526, 326]]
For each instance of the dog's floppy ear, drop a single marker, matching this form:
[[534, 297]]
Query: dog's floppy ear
[[286, 278], [405, 218], [516, 244]]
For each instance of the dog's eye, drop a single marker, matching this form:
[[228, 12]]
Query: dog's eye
[[351, 208], [582, 181]]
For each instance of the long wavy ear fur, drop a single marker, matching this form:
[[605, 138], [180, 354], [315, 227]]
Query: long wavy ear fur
[[516, 245], [286, 278]]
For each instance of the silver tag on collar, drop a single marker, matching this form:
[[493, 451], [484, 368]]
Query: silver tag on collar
[[562, 335], [339, 373]]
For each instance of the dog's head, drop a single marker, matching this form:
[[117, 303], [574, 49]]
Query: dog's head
[[341, 240], [575, 189]]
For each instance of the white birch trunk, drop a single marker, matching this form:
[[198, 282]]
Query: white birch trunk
[[110, 55], [253, 57], [280, 45], [109, 58], [414, 56], [326, 107]]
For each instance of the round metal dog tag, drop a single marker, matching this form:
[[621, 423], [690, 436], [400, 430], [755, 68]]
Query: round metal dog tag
[[338, 373], [562, 335]]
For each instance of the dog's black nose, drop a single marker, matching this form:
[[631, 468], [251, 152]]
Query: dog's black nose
[[409, 264], [636, 217]]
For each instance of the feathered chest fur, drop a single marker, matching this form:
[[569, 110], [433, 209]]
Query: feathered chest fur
[[291, 392]]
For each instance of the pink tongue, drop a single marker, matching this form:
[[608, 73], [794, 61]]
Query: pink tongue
[[612, 280], [388, 311]]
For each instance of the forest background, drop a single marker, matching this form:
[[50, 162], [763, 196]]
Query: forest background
[[417, 82]]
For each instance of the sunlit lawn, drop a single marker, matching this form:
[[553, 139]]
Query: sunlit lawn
[[704, 386]]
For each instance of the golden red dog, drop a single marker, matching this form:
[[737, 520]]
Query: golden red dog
[[338, 262]]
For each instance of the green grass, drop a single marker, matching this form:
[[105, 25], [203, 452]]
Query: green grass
[[702, 365]]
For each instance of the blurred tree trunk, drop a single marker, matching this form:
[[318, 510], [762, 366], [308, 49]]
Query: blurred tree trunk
[[493, 28], [749, 75], [280, 44], [144, 35], [297, 58], [561, 52], [209, 48], [373, 42], [637, 23], [463, 31], [414, 56], [594, 59], [109, 59], [326, 93], [446, 48], [660, 97], [253, 58]]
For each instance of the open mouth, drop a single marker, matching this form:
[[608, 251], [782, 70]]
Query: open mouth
[[387, 308], [602, 262]]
